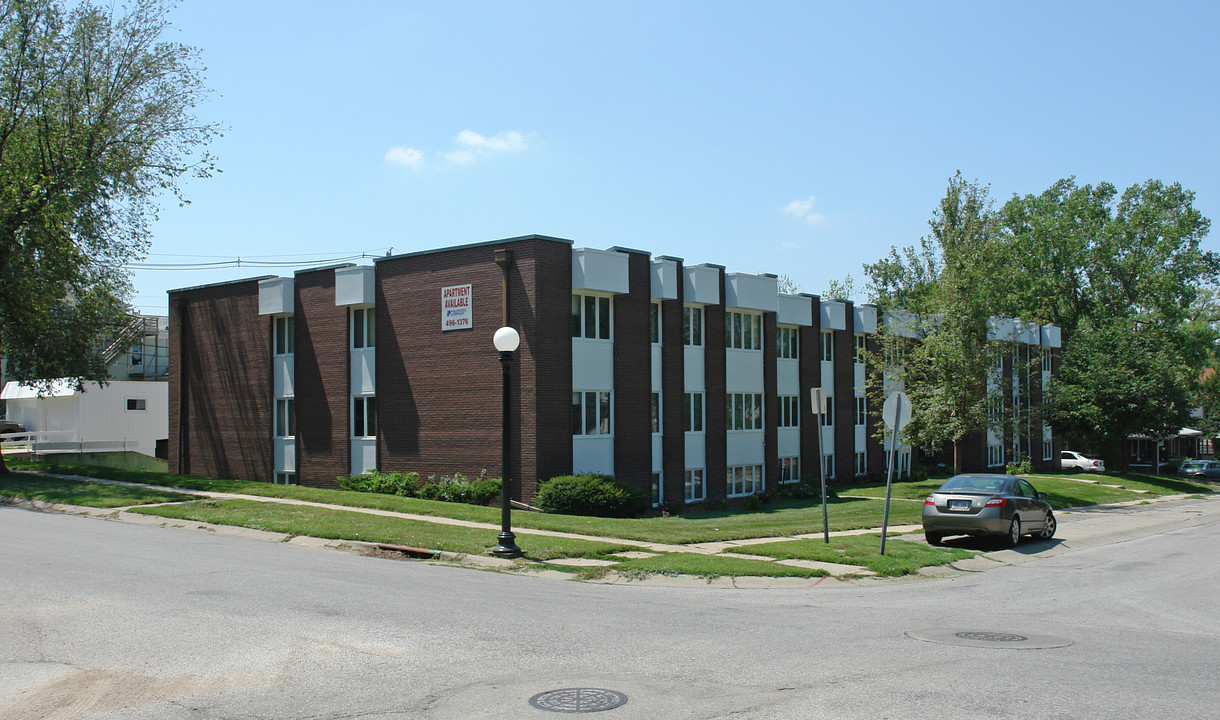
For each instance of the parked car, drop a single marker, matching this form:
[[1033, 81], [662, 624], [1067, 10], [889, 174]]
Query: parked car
[[1003, 505], [1200, 469], [13, 431], [1073, 459]]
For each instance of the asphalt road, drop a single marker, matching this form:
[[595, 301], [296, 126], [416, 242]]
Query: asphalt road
[[109, 620]]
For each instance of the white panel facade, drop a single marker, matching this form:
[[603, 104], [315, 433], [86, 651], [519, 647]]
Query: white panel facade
[[592, 365], [1001, 329], [861, 437], [364, 455], [657, 453], [601, 270], [902, 324], [858, 376], [692, 368], [282, 376], [364, 377], [275, 296], [744, 447], [866, 319], [285, 455], [788, 377], [702, 285], [696, 450], [656, 368], [788, 440], [593, 454], [794, 310], [828, 385], [1050, 336], [743, 370], [354, 285], [752, 292], [665, 279], [834, 315]]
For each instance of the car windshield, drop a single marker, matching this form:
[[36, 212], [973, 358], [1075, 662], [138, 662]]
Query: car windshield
[[1193, 464], [974, 484]]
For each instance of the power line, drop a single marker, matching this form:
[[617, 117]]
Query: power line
[[247, 262]]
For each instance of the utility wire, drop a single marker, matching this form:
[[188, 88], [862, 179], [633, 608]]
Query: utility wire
[[248, 262]]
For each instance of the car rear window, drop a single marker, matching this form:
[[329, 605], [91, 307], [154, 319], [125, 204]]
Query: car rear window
[[965, 483]]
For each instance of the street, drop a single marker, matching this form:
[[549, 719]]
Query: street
[[110, 620]]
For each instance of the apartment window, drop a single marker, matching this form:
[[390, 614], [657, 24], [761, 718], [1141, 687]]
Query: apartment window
[[1048, 453], [285, 478], [995, 455], [692, 325], [364, 330], [285, 332], [285, 418], [789, 469], [137, 404], [1046, 359], [861, 464], [656, 489], [861, 348], [743, 330], [693, 485], [788, 342], [789, 411], [692, 412], [591, 317], [828, 463], [591, 412], [861, 408], [828, 346], [654, 323], [656, 413], [364, 416], [744, 480], [744, 411], [828, 417]]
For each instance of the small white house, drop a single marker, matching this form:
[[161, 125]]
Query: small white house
[[122, 415]]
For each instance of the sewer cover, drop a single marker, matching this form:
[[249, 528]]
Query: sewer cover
[[578, 700], [989, 639]]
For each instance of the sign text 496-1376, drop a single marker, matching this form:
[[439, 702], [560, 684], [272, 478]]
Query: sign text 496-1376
[[456, 310]]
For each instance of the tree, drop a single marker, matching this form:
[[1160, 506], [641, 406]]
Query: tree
[[97, 121]]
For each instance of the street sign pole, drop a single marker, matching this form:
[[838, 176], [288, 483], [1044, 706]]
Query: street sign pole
[[895, 420], [816, 398]]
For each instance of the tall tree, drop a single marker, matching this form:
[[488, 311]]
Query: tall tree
[[97, 122]]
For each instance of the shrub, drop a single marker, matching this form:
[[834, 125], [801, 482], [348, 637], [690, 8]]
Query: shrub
[[597, 495], [394, 483], [1019, 468], [458, 488]]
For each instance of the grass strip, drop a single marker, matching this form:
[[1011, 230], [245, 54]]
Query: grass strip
[[901, 557], [77, 492], [709, 566], [363, 527]]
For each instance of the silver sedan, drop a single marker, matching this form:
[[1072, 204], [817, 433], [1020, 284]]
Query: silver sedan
[[1003, 505]]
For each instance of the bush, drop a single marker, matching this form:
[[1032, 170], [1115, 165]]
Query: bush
[[450, 489], [394, 483], [1019, 468], [597, 495]]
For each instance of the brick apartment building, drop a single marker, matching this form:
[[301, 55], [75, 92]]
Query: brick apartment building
[[685, 380]]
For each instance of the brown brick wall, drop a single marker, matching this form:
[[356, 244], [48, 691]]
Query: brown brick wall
[[874, 449], [811, 377], [633, 376], [220, 412], [546, 309], [673, 395], [322, 380], [715, 425], [770, 403], [845, 403]]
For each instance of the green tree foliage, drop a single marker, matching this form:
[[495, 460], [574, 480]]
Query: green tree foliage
[[97, 121]]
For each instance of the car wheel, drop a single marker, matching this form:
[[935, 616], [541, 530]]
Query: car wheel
[[933, 538], [1048, 530], [1014, 534]]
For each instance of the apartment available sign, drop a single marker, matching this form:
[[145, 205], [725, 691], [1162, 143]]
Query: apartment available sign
[[456, 312]]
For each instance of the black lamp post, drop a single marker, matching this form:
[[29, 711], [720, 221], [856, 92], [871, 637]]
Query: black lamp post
[[506, 340]]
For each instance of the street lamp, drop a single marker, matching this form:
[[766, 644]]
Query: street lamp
[[506, 341]]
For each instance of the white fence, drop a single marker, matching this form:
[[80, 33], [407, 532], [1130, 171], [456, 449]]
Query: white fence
[[62, 441]]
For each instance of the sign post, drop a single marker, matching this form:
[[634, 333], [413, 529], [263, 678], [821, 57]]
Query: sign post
[[896, 413], [818, 403]]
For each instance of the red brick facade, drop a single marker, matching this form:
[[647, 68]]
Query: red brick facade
[[322, 380]]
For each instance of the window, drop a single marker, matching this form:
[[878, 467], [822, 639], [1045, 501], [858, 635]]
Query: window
[[744, 411], [137, 404], [285, 418], [591, 412], [789, 411], [789, 469], [861, 414], [656, 413], [692, 325], [692, 412], [285, 478], [285, 330], [364, 416], [1047, 452], [364, 331], [743, 330], [744, 480], [828, 417], [788, 342], [1046, 359], [693, 485], [828, 346], [591, 317], [861, 464], [995, 455], [656, 489], [828, 462], [654, 323], [861, 348]]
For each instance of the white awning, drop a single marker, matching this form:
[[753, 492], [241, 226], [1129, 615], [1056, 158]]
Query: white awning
[[13, 390]]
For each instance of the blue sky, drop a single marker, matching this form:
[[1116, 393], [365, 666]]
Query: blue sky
[[802, 138]]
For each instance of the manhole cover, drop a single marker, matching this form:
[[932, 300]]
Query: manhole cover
[[578, 700], [987, 638]]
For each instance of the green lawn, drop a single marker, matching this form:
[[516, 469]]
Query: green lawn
[[87, 494], [900, 558], [347, 525], [708, 566]]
